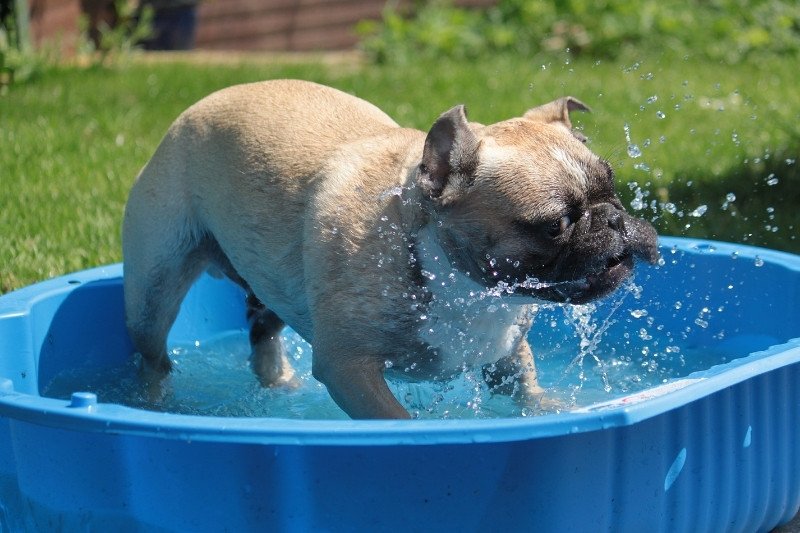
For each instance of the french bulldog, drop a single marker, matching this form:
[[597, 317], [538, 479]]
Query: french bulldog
[[390, 250]]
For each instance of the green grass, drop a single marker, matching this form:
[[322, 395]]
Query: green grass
[[73, 140]]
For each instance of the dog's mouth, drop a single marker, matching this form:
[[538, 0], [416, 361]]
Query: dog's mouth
[[594, 285]]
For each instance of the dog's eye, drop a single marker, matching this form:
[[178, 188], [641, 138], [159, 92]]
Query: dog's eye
[[559, 226]]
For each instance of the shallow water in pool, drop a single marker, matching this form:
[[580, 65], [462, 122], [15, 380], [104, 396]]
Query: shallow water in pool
[[584, 355]]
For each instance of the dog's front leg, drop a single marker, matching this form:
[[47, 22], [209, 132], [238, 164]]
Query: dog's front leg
[[515, 376], [357, 386]]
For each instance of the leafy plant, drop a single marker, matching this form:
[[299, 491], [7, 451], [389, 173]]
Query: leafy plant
[[133, 25], [727, 30], [18, 62]]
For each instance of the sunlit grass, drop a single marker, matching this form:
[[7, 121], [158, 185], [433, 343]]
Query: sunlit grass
[[72, 141]]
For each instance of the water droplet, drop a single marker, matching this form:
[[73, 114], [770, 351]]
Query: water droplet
[[730, 197], [700, 211], [652, 99], [634, 151], [772, 180], [638, 313], [758, 261], [430, 275], [627, 129], [660, 114]]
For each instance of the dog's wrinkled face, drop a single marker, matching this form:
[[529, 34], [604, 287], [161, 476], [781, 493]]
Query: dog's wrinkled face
[[524, 204]]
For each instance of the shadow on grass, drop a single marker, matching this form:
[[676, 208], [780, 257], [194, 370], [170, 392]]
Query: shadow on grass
[[756, 204]]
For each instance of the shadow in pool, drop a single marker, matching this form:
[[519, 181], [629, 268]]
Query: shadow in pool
[[87, 331]]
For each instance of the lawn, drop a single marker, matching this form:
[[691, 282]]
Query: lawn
[[700, 148]]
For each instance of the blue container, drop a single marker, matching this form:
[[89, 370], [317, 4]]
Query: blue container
[[715, 450]]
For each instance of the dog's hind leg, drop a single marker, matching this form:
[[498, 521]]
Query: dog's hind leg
[[163, 255], [268, 358], [154, 290]]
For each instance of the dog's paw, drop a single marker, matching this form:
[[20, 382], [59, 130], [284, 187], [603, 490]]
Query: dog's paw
[[274, 371], [287, 381], [549, 405], [153, 377], [152, 369], [535, 400]]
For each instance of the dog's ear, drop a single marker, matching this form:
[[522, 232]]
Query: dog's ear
[[451, 150], [558, 112]]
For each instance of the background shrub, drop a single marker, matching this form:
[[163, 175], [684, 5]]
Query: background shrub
[[726, 30]]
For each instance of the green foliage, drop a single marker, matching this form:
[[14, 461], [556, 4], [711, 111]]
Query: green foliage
[[727, 30], [119, 41], [18, 63]]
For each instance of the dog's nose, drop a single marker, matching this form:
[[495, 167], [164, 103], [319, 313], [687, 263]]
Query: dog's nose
[[605, 216], [615, 221]]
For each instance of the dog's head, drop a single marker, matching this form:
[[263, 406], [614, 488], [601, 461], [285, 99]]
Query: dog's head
[[524, 204]]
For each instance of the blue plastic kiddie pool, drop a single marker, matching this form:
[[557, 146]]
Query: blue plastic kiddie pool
[[713, 448]]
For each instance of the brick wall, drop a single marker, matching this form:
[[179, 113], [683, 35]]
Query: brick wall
[[282, 24], [54, 22], [277, 25], [298, 25]]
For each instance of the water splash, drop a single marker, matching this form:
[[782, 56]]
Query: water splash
[[590, 330]]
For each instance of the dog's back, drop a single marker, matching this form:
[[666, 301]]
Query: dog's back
[[235, 167]]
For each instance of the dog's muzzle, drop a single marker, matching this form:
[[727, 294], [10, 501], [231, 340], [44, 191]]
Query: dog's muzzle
[[612, 262]]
